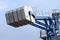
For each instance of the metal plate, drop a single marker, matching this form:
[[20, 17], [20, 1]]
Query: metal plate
[[15, 16], [7, 18]]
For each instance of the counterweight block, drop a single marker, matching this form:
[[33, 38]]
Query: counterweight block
[[20, 16]]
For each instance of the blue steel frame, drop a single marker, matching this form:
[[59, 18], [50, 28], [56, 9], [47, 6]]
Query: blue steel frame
[[50, 27]]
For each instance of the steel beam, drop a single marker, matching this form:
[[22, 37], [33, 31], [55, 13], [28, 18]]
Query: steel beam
[[38, 26]]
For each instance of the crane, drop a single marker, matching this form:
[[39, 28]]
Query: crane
[[24, 15]]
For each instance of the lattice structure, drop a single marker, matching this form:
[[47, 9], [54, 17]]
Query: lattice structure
[[24, 15]]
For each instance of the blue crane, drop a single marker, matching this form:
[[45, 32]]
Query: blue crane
[[20, 17], [50, 27]]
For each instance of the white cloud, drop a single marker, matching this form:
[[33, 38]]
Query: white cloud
[[3, 5]]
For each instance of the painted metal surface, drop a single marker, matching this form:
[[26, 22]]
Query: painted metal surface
[[25, 16], [19, 17]]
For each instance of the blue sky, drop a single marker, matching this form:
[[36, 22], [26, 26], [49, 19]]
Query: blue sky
[[26, 32]]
